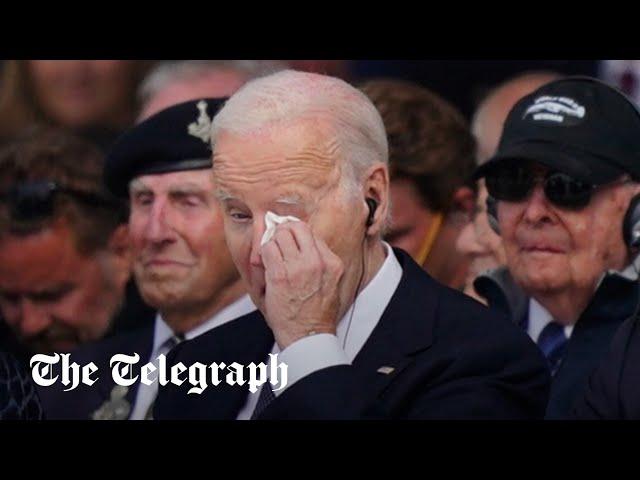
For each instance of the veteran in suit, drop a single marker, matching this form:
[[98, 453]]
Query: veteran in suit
[[564, 197], [180, 261]]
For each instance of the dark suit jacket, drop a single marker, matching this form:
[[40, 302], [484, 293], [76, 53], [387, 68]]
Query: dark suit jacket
[[452, 358], [18, 397], [613, 391], [79, 404], [613, 302]]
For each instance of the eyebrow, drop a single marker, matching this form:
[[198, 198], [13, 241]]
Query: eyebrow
[[136, 186], [48, 293], [292, 199], [187, 189], [223, 195], [51, 293]]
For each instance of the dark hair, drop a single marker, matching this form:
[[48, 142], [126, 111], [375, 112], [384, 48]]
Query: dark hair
[[73, 165], [430, 142]]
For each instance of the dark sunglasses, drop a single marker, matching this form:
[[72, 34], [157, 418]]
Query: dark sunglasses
[[35, 200], [514, 183]]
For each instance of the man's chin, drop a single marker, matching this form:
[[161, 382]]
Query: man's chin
[[543, 284], [163, 294]]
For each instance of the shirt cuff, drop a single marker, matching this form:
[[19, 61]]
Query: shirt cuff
[[310, 354]]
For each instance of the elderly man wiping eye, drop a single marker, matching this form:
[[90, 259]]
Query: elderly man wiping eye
[[364, 331]]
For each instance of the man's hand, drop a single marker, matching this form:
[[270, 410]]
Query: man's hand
[[302, 279]]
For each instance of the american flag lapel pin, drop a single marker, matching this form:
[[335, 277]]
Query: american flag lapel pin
[[386, 370]]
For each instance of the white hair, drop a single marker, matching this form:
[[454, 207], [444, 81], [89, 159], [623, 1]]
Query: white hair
[[168, 72], [289, 96]]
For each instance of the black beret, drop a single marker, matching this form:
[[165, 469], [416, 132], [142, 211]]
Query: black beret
[[174, 139]]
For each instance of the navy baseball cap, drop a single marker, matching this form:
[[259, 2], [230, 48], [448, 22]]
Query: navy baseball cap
[[577, 125]]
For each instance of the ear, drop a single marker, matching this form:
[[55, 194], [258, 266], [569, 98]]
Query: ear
[[120, 251], [376, 186]]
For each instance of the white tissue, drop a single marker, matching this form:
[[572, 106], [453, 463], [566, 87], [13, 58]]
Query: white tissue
[[270, 221]]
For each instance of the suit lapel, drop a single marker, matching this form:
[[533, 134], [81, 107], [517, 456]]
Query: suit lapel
[[404, 329], [140, 342], [243, 341], [613, 302]]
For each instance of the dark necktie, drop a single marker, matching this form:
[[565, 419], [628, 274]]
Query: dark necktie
[[553, 343], [265, 398], [168, 345]]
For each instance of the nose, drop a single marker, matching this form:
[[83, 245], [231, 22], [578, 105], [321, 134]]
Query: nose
[[467, 243], [33, 319], [537, 207], [255, 259], [160, 228]]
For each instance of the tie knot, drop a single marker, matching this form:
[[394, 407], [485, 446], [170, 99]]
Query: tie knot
[[173, 341]]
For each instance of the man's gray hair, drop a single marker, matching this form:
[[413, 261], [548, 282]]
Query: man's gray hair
[[288, 96], [171, 71]]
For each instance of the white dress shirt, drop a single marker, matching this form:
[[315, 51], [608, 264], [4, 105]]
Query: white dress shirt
[[316, 352], [539, 317], [146, 394]]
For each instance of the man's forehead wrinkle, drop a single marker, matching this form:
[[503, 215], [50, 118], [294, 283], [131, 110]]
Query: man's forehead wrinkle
[[324, 155], [305, 165]]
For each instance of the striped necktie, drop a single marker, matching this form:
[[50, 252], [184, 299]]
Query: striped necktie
[[265, 398], [166, 347], [553, 343]]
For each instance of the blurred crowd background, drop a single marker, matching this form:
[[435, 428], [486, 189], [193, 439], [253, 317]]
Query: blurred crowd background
[[437, 113]]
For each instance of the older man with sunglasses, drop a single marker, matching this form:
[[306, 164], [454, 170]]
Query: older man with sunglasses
[[563, 195]]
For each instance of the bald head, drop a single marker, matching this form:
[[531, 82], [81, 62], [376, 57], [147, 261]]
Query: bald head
[[493, 110]]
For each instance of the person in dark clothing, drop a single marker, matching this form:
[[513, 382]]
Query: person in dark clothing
[[18, 397], [564, 197], [300, 165]]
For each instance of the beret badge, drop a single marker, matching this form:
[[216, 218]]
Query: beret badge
[[201, 128]]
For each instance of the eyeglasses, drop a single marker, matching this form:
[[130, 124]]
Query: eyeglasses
[[514, 183], [35, 200]]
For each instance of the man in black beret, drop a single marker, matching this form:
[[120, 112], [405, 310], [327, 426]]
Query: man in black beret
[[180, 261], [564, 196]]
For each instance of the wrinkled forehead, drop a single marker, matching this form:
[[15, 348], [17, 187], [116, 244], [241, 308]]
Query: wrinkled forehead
[[287, 158]]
